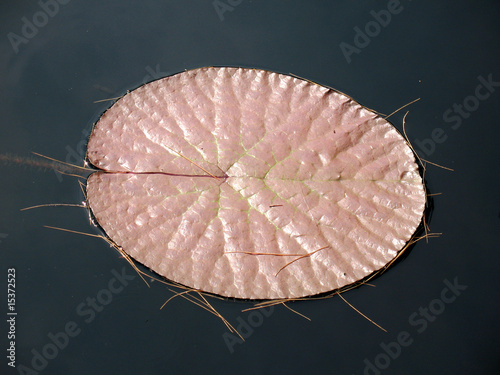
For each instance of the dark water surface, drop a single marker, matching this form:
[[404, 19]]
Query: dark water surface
[[440, 305]]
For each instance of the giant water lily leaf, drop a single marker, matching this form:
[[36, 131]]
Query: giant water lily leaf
[[252, 184]]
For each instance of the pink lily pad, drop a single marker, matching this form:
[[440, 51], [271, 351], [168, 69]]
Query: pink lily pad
[[252, 184]]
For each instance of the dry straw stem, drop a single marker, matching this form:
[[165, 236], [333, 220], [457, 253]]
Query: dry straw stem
[[423, 162], [299, 256], [111, 99], [192, 162], [294, 311], [400, 108], [360, 313], [67, 164], [53, 205]]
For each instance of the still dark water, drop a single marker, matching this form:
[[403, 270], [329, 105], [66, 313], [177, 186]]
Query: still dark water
[[81, 309]]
